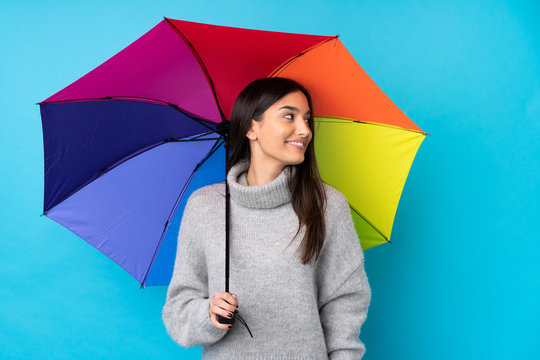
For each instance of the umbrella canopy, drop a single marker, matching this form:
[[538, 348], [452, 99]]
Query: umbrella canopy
[[127, 143]]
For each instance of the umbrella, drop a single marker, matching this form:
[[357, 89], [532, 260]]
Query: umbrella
[[127, 143]]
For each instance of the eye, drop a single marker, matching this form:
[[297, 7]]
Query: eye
[[291, 115]]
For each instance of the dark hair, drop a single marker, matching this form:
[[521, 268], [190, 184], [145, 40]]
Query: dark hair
[[308, 197]]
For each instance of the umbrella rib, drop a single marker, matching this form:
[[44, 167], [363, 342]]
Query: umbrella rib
[[370, 224], [126, 98], [288, 62], [199, 136], [214, 148], [126, 158], [201, 63], [348, 121]]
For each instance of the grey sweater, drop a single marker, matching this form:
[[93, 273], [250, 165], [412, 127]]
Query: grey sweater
[[295, 311]]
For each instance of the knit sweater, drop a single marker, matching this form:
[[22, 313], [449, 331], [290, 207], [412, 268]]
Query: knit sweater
[[294, 311]]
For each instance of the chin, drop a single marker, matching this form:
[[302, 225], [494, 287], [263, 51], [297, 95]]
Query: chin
[[295, 162]]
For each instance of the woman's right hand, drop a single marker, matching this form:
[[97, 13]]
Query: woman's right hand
[[222, 303]]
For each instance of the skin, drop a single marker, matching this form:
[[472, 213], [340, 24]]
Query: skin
[[269, 155], [269, 151]]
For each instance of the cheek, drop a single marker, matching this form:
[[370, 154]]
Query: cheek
[[272, 140], [274, 136], [277, 136]]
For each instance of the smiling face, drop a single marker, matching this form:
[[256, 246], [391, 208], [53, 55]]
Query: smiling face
[[283, 134]]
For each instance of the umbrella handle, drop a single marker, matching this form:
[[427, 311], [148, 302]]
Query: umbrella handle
[[224, 320]]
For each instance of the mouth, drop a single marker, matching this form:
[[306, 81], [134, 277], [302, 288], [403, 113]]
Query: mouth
[[296, 144]]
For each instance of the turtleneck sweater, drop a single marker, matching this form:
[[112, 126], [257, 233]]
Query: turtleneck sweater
[[294, 310]]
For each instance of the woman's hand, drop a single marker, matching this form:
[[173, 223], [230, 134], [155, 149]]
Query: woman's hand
[[223, 304]]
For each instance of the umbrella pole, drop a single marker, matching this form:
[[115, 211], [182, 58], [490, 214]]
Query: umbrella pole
[[227, 212], [223, 319]]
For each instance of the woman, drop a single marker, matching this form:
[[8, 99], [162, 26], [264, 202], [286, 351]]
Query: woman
[[297, 267]]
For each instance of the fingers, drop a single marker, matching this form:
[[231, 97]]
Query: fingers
[[222, 307], [223, 304], [227, 297], [217, 324], [230, 301]]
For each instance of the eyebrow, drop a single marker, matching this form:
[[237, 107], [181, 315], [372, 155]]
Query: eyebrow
[[293, 108]]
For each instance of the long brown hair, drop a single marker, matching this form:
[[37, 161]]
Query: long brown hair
[[308, 197]]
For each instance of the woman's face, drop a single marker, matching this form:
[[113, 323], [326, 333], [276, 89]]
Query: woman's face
[[283, 134]]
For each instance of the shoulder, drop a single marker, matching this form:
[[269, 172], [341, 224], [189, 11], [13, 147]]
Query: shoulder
[[208, 192], [208, 196], [341, 238], [339, 218], [337, 204], [333, 194]]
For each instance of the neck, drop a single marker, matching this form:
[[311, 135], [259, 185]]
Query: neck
[[260, 173], [272, 194]]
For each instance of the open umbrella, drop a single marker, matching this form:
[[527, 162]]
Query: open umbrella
[[127, 143]]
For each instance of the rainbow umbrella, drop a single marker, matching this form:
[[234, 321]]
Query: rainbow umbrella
[[127, 143]]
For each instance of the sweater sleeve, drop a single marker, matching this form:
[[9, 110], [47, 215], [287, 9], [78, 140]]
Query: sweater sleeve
[[344, 291], [185, 313]]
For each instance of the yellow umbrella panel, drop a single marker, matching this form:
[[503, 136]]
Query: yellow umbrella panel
[[369, 163]]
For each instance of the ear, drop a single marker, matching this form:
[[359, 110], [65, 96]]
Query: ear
[[251, 132], [251, 135]]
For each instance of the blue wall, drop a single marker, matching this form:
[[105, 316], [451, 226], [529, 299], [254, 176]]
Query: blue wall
[[462, 277]]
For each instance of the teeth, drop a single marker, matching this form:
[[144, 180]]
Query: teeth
[[295, 143]]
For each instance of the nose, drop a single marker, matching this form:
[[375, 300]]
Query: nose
[[303, 128]]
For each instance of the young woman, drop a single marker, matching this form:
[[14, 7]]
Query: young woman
[[296, 264]]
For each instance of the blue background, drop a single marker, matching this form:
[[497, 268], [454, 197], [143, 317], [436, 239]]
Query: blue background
[[462, 277]]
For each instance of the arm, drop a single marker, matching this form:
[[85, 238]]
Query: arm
[[344, 291], [185, 313]]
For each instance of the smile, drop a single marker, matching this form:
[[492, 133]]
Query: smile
[[297, 145]]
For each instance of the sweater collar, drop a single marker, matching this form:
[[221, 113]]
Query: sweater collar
[[269, 195]]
